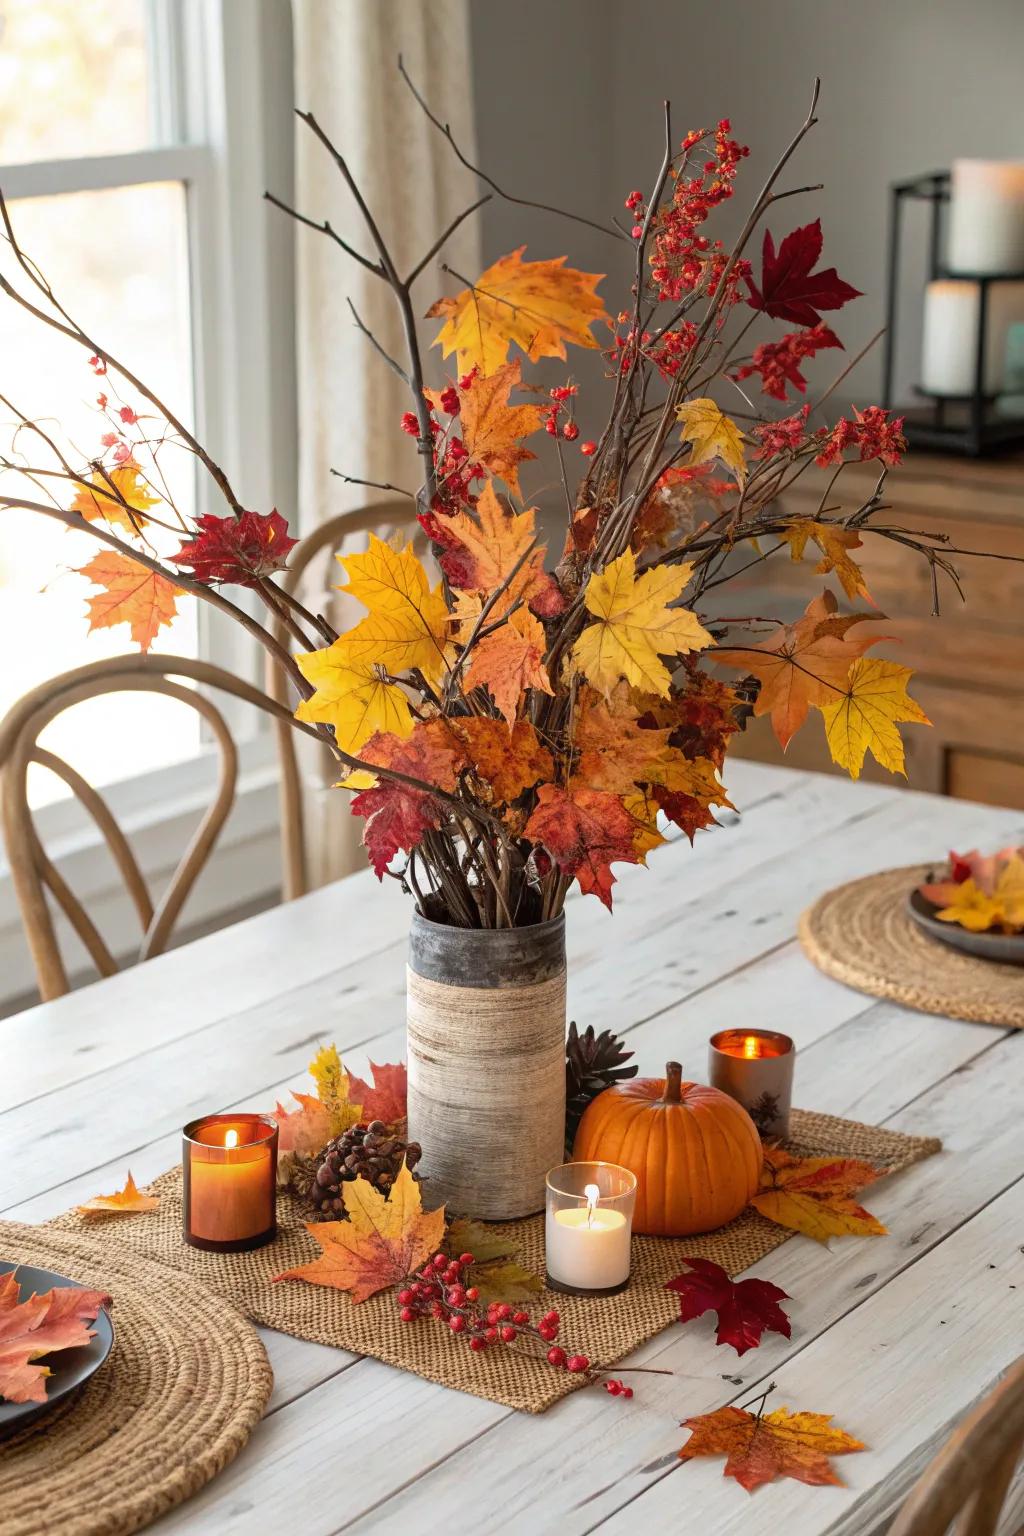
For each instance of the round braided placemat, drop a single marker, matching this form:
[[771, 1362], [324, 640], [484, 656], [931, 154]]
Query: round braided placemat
[[184, 1386], [862, 934]]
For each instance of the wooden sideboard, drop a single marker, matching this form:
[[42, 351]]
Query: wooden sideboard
[[969, 663]]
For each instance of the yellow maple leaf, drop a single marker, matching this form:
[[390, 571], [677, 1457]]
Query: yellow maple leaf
[[635, 626], [381, 1243], [759, 1448], [121, 498], [408, 623], [815, 1195], [643, 808], [353, 696], [492, 429], [132, 594], [711, 435], [863, 717], [123, 1203], [835, 543], [539, 305], [979, 910]]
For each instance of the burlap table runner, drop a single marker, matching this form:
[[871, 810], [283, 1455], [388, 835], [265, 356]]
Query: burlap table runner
[[179, 1395], [861, 934], [605, 1328]]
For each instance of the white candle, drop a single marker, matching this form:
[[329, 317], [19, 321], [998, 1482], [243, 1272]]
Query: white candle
[[950, 336], [986, 216], [587, 1247]]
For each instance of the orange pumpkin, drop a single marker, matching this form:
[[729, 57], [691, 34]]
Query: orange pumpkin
[[695, 1152]]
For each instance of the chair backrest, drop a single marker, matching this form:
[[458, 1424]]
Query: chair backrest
[[968, 1479], [326, 540], [32, 871]]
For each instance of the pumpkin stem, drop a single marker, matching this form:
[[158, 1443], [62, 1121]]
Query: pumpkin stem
[[673, 1083]]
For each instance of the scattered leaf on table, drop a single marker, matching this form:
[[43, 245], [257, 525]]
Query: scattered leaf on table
[[132, 595], [814, 1195], [495, 1272], [125, 1201], [635, 625], [48, 1321], [711, 435], [584, 831], [539, 305], [745, 1308], [380, 1243], [121, 498], [776, 1444], [386, 1099], [789, 290], [864, 716]]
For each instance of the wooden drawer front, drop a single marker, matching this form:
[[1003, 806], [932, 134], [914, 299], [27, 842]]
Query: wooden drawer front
[[983, 776]]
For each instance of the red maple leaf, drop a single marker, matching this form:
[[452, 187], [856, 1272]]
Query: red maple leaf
[[236, 549], [745, 1308], [397, 814], [386, 1100], [789, 289], [583, 832]]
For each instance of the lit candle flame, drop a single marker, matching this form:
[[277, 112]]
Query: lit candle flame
[[751, 1045], [231, 1138], [593, 1195]]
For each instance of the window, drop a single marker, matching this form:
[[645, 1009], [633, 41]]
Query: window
[[131, 159]]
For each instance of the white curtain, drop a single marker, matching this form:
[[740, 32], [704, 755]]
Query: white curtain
[[350, 402]]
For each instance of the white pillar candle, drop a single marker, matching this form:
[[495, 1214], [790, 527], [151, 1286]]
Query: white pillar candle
[[587, 1247], [986, 216], [950, 336]]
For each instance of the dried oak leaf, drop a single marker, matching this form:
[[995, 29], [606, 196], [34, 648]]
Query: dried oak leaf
[[789, 290], [508, 661], [121, 498], [386, 1099], [492, 428], [711, 435], [38, 1326], [241, 550], [584, 831], [864, 716], [355, 697], [382, 1241], [802, 664], [490, 543], [745, 1308], [495, 1272], [762, 1448], [407, 625], [539, 305], [132, 595], [814, 1195], [397, 814], [635, 626], [835, 543], [122, 1203]]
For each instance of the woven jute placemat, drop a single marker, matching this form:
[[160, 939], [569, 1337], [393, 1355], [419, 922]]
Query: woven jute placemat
[[862, 935], [179, 1395], [605, 1328]]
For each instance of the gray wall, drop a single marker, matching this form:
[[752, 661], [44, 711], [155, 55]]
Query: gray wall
[[568, 109]]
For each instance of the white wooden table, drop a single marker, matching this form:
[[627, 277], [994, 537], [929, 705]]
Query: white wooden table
[[895, 1336]]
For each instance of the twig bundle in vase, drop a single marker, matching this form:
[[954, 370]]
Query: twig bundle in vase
[[513, 723]]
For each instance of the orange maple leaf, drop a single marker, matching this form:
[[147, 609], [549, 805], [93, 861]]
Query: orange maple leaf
[[133, 595], [813, 1195], [508, 661], [495, 540], [386, 1099], [119, 496], [381, 1242], [584, 831], [760, 1448], [616, 754], [37, 1326], [122, 1203], [802, 664], [539, 305], [492, 429], [835, 543], [510, 763]]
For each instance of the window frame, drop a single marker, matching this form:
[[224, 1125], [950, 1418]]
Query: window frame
[[221, 121]]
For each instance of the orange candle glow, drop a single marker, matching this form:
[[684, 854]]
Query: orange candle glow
[[230, 1178], [755, 1067]]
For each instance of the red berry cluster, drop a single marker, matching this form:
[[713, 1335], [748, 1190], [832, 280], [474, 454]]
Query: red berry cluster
[[561, 396], [683, 259], [438, 1290], [454, 469], [618, 1388]]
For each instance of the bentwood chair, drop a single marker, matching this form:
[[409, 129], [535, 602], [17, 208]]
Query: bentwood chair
[[32, 871], [383, 519], [968, 1480]]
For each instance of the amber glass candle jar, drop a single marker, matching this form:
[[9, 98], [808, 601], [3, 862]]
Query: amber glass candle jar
[[229, 1166], [755, 1067]]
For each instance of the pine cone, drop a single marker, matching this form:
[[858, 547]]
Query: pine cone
[[592, 1064], [301, 1175], [371, 1152]]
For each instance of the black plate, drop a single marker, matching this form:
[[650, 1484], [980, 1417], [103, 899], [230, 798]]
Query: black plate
[[70, 1367], [1005, 947]]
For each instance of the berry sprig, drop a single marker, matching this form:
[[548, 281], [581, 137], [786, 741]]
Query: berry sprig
[[439, 1291]]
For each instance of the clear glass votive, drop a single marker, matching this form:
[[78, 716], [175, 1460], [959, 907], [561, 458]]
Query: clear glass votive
[[587, 1229], [229, 1168], [755, 1067]]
